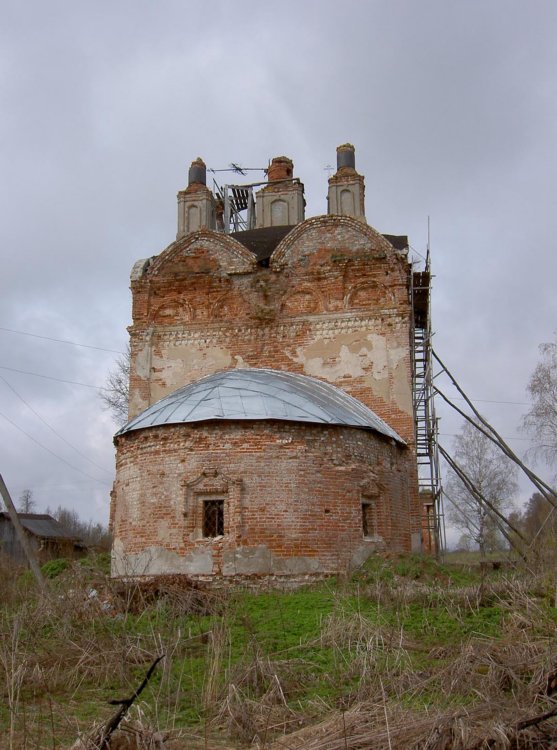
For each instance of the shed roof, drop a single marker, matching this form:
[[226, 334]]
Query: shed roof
[[41, 525], [257, 394]]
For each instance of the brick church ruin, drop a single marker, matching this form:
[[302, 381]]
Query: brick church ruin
[[272, 424]]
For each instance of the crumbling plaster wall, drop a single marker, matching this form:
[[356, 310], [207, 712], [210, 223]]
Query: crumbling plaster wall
[[293, 495], [334, 304]]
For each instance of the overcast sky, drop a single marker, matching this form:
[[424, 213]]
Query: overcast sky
[[452, 107]]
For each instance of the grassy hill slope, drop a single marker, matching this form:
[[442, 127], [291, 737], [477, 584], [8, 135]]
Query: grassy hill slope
[[406, 653]]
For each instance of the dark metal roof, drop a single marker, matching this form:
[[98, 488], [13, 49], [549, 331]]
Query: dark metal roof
[[398, 241], [42, 525], [256, 394], [262, 242]]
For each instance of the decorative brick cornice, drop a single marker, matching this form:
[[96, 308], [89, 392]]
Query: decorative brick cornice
[[320, 326]]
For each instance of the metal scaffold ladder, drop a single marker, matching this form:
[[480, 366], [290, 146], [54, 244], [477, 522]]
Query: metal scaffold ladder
[[426, 424]]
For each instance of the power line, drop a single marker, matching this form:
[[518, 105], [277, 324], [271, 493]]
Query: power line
[[101, 388], [489, 401], [416, 251], [491, 433], [51, 377], [486, 400], [73, 485], [450, 434], [52, 453], [50, 427], [60, 341]]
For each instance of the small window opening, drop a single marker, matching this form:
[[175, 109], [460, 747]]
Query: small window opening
[[368, 519], [213, 518]]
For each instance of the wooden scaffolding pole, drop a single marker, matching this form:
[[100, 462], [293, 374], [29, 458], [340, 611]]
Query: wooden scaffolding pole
[[500, 520], [494, 436]]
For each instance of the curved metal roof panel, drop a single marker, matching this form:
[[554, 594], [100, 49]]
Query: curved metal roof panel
[[255, 394]]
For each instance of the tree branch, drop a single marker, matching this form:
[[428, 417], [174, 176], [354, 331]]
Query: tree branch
[[101, 739]]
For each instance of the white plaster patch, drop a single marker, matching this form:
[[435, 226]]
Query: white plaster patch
[[142, 362], [347, 355], [164, 531], [261, 561], [370, 356], [196, 362], [365, 551], [158, 560], [380, 356], [402, 392], [136, 405], [296, 565], [247, 561]]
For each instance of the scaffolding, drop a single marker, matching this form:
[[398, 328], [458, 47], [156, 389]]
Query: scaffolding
[[238, 206], [237, 202], [426, 421]]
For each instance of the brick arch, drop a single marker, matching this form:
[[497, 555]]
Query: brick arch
[[203, 251], [354, 234], [302, 300], [171, 311], [227, 306], [375, 291]]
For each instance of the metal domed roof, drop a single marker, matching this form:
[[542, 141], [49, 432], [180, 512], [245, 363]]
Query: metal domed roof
[[254, 394]]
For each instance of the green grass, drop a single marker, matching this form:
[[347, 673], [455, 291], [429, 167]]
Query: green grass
[[420, 568], [54, 568], [440, 626], [397, 623]]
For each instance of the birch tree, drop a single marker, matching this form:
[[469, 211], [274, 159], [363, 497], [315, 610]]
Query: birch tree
[[540, 422], [493, 474]]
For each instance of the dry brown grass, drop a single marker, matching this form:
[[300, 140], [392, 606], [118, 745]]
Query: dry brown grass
[[507, 676], [387, 686]]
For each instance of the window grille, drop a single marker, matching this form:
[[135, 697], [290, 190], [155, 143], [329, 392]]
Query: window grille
[[213, 518]]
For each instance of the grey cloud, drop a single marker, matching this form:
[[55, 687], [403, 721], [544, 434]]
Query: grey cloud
[[453, 112]]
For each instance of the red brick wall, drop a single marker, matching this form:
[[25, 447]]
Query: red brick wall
[[333, 304], [293, 495]]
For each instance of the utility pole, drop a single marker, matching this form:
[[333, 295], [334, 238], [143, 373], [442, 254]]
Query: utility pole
[[29, 553]]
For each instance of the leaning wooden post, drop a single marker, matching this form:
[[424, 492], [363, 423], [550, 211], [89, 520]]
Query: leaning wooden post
[[547, 491], [29, 553]]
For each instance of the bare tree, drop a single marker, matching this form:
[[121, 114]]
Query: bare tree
[[538, 519], [541, 421], [26, 504], [115, 394], [493, 474], [93, 534], [464, 543]]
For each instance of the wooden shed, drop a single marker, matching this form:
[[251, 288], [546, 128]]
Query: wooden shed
[[45, 534]]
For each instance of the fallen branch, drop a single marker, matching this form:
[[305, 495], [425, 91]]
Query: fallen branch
[[534, 720], [100, 740]]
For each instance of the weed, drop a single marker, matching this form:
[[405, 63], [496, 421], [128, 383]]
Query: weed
[[403, 635], [53, 568]]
